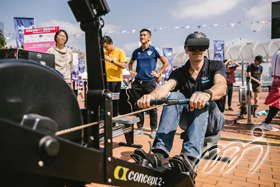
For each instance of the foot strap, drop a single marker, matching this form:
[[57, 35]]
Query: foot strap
[[153, 160], [181, 164]]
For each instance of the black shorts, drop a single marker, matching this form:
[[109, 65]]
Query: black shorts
[[256, 87]]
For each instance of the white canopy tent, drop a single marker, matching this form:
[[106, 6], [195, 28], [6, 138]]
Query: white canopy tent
[[246, 52]]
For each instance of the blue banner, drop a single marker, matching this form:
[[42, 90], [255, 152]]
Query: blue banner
[[82, 66], [21, 24], [219, 46], [168, 53]]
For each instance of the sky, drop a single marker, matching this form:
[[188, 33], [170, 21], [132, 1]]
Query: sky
[[237, 22]]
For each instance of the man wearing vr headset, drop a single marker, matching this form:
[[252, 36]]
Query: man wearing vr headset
[[201, 80]]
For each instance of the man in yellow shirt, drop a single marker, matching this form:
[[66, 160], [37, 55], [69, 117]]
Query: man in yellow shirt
[[115, 61]]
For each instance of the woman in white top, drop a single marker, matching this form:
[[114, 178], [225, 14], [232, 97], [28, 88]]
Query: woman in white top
[[63, 55]]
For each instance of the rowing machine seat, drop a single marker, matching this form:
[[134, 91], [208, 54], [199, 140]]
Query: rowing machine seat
[[210, 142]]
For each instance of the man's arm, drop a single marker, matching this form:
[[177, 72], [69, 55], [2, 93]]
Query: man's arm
[[237, 64], [254, 79], [122, 60], [119, 64], [159, 93], [227, 62], [219, 88], [164, 66], [130, 64], [198, 100]]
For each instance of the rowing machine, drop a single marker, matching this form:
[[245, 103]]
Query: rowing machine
[[34, 155], [245, 95]]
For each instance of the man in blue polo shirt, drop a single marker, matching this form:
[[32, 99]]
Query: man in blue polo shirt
[[146, 76]]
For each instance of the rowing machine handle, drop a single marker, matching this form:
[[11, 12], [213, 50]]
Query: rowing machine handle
[[173, 102]]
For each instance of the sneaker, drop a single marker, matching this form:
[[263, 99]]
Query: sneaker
[[230, 109], [138, 133], [153, 135], [256, 115], [155, 160], [268, 127], [240, 116]]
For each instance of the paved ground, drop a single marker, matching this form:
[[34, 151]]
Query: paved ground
[[258, 155]]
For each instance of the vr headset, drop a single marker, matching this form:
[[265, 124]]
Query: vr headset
[[197, 41]]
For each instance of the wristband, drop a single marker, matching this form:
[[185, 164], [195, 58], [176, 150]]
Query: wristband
[[209, 92], [112, 61], [159, 75]]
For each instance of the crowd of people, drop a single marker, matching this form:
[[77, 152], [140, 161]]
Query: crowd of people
[[199, 79]]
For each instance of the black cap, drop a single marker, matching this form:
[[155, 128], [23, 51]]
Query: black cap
[[197, 41], [259, 58]]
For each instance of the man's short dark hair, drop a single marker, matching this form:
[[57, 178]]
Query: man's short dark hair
[[107, 40], [57, 33], [147, 31], [259, 58]]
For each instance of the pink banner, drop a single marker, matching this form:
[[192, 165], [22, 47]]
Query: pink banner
[[39, 39]]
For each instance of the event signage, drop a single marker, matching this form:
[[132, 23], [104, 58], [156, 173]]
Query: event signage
[[21, 24], [75, 70], [168, 53], [82, 66], [219, 46], [39, 39]]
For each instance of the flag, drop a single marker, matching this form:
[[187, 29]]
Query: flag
[[219, 50], [168, 53], [21, 24]]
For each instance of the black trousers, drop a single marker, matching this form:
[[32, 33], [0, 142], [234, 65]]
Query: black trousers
[[272, 112], [115, 88], [138, 90], [229, 93]]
